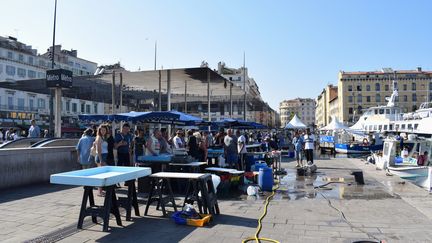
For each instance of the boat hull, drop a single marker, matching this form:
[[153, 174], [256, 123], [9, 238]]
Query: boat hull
[[409, 171], [356, 149]]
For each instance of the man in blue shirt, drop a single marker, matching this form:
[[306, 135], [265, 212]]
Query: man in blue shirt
[[34, 131], [83, 148], [122, 144], [298, 146]]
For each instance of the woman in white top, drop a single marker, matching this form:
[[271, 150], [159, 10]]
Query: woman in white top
[[101, 149]]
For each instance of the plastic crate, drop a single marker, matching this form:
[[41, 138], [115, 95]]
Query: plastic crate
[[192, 222]]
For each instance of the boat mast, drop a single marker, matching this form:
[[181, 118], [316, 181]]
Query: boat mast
[[392, 99]]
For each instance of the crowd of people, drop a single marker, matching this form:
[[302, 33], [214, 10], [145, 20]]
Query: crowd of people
[[14, 133], [98, 145]]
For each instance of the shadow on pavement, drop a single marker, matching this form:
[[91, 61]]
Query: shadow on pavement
[[22, 192]]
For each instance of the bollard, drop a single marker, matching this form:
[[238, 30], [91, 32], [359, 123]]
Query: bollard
[[358, 176]]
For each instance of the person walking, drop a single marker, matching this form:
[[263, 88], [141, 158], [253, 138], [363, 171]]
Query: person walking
[[309, 146], [34, 130], [230, 149], [123, 141], [101, 150], [83, 149], [298, 147]]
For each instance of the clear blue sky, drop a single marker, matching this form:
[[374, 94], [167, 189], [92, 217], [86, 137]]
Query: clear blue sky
[[293, 48]]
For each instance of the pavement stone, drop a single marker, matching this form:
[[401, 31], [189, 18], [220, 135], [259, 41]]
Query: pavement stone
[[386, 210]]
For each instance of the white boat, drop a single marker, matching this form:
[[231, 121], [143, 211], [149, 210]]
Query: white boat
[[390, 118], [406, 167]]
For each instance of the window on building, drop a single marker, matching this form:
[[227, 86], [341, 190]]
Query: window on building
[[377, 87], [31, 104], [349, 87], [41, 103], [31, 74], [377, 98], [414, 108], [359, 87], [74, 107], [68, 105], [21, 57], [41, 75], [10, 103], [10, 70], [430, 86], [405, 87], [359, 98], [30, 60], [1, 68], [350, 99], [82, 108], [360, 110], [405, 98], [368, 99], [10, 55], [350, 110], [21, 104], [95, 108], [88, 109], [42, 63], [367, 87], [386, 87], [21, 72], [414, 97], [413, 86]]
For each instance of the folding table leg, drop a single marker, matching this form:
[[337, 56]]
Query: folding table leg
[[92, 204], [83, 206]]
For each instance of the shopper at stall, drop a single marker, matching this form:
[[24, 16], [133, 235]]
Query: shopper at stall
[[192, 145], [178, 142], [241, 148], [230, 149], [268, 145], [153, 146], [123, 141], [139, 144]]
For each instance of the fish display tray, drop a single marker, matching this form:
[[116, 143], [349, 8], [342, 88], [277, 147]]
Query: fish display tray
[[100, 176]]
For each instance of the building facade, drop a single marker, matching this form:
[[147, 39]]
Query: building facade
[[69, 60], [18, 107], [323, 101], [303, 107], [358, 91], [19, 61]]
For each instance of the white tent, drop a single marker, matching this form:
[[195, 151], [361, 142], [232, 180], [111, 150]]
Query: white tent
[[295, 123], [335, 124]]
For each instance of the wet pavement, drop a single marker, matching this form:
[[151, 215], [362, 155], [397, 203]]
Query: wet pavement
[[328, 206]]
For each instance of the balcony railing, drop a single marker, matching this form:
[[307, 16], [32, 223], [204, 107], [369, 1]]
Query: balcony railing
[[18, 108]]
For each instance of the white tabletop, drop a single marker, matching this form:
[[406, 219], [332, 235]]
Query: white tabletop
[[100, 176], [177, 175], [192, 164], [231, 171]]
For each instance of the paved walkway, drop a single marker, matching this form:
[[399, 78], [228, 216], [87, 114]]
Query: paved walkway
[[384, 208]]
